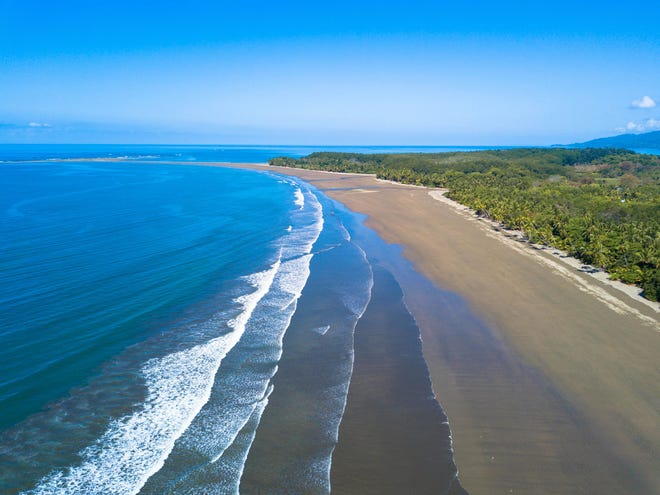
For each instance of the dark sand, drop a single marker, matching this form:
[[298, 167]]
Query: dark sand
[[393, 437], [550, 390]]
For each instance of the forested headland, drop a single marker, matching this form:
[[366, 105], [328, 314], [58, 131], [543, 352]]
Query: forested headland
[[601, 205]]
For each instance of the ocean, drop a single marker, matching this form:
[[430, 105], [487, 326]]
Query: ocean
[[169, 328]]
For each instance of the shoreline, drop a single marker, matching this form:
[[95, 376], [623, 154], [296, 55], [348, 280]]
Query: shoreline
[[558, 392]]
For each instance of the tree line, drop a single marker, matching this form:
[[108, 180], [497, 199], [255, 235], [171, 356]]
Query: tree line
[[601, 205]]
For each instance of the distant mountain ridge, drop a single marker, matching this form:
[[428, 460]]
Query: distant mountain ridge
[[646, 140]]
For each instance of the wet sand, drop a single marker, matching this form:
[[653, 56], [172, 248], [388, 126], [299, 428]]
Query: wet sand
[[393, 437]]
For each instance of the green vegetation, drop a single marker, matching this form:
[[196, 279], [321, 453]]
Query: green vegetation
[[600, 205]]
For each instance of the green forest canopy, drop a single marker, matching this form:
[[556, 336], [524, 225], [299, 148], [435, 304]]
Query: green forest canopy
[[601, 205]]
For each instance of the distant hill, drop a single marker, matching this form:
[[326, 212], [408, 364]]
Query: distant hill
[[646, 140]]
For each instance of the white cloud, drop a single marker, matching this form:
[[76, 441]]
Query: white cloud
[[643, 102], [642, 126], [631, 127], [38, 124]]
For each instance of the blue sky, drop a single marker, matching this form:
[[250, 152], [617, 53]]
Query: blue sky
[[327, 72]]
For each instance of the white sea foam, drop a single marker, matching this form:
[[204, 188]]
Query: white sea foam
[[136, 157], [300, 199], [231, 484], [179, 384], [257, 410], [344, 232], [321, 330], [256, 416]]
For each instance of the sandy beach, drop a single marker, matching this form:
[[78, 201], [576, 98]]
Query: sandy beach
[[555, 389]]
